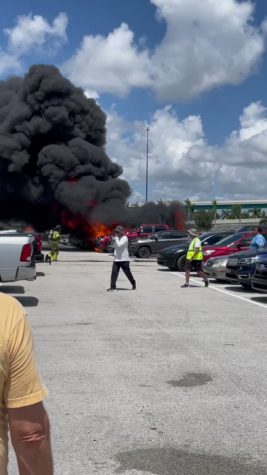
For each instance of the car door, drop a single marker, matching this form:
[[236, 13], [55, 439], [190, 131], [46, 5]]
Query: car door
[[167, 238], [162, 240]]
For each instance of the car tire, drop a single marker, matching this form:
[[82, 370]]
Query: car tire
[[143, 252], [180, 263]]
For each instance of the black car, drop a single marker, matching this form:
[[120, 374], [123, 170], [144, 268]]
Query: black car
[[144, 247], [240, 266], [259, 278], [174, 256]]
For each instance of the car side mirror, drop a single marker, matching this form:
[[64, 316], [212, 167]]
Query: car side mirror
[[156, 237]]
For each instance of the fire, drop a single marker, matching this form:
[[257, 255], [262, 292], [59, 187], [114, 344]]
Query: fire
[[72, 179], [86, 230], [100, 230]]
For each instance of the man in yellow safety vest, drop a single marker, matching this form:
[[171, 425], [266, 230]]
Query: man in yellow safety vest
[[194, 258]]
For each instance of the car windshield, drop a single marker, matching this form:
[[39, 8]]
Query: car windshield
[[204, 236], [230, 239]]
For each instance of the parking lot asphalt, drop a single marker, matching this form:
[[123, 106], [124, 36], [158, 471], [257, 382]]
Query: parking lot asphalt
[[161, 380]]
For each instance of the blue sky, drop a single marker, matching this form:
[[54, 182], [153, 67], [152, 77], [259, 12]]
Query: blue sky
[[195, 73]]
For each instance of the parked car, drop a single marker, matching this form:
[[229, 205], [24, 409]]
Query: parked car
[[215, 268], [37, 246], [259, 278], [174, 256], [104, 243], [144, 247], [146, 230], [235, 243], [16, 257], [241, 266]]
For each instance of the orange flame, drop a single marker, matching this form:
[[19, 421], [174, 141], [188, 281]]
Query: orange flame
[[89, 231]]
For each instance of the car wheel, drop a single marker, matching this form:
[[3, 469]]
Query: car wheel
[[143, 252], [180, 263]]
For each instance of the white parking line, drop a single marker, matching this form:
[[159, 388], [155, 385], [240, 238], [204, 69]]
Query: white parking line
[[227, 292]]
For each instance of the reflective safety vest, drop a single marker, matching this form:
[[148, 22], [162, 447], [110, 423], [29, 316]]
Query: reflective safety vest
[[54, 236], [191, 250]]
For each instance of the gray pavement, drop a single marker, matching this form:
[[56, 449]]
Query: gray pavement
[[161, 380]]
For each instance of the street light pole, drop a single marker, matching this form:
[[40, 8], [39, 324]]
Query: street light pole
[[147, 132]]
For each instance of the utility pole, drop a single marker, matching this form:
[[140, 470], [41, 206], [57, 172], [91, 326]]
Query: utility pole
[[147, 132]]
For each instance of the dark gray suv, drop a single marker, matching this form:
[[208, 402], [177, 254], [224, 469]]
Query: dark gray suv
[[144, 247]]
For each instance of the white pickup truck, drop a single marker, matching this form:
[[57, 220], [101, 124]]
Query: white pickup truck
[[16, 261]]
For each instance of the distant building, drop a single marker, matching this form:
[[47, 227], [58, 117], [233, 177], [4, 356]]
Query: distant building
[[227, 205]]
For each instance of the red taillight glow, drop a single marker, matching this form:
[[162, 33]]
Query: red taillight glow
[[26, 253]]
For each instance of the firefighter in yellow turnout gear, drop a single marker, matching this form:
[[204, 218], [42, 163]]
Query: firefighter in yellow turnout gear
[[53, 239], [194, 258]]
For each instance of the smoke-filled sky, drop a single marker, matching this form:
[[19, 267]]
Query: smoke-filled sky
[[195, 72]]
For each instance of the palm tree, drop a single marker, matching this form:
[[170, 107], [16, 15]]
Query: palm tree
[[236, 212], [257, 213], [225, 214], [189, 208], [214, 211]]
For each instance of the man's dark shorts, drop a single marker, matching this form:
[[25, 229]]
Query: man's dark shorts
[[193, 265]]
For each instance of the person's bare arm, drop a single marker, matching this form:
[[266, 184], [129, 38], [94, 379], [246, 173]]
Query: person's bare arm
[[29, 430]]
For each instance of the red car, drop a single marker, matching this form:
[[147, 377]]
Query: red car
[[146, 230], [234, 243], [142, 231]]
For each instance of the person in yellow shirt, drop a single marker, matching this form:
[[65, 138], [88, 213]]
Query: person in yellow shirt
[[194, 258], [21, 395]]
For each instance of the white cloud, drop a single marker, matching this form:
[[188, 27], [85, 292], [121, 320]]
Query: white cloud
[[181, 161], [176, 151], [91, 94], [207, 44], [34, 32], [8, 62], [109, 64]]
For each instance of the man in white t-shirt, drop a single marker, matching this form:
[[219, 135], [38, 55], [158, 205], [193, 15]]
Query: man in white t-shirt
[[121, 259]]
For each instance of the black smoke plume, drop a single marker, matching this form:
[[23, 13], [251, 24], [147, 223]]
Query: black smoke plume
[[53, 164], [52, 155]]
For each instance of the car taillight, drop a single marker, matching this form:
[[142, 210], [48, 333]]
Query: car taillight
[[26, 253]]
